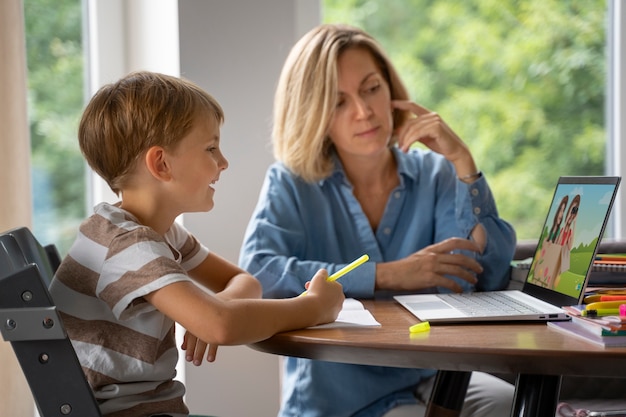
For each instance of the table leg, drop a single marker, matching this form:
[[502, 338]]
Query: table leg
[[448, 394], [536, 395]]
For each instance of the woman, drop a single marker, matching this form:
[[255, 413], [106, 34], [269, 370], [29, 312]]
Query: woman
[[347, 184]]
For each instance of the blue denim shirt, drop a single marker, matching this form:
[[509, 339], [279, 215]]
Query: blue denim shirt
[[299, 227]]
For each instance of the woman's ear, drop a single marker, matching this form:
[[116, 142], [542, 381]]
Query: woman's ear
[[157, 164]]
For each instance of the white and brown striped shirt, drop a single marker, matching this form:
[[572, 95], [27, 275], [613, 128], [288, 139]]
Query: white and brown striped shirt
[[126, 347]]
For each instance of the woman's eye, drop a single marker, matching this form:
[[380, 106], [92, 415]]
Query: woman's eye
[[372, 88]]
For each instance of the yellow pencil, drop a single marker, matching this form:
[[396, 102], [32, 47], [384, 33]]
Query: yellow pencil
[[343, 271]]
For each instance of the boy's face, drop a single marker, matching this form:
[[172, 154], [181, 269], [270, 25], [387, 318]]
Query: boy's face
[[197, 163]]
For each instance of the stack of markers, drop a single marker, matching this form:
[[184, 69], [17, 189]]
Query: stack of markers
[[605, 303], [604, 312], [601, 320]]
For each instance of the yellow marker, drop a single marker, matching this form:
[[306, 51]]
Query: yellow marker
[[601, 305], [420, 327], [601, 312], [343, 271]]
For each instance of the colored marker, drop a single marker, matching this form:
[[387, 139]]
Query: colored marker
[[343, 271], [420, 327], [613, 298], [601, 312], [599, 305]]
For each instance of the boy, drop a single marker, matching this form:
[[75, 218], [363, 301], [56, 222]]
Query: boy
[[133, 271]]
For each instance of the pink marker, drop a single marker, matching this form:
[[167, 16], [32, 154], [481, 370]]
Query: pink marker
[[622, 310]]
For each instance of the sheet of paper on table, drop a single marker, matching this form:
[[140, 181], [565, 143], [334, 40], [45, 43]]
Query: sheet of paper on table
[[353, 314]]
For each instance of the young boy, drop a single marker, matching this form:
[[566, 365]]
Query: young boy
[[133, 271]]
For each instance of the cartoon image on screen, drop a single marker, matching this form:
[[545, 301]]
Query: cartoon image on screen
[[569, 237]]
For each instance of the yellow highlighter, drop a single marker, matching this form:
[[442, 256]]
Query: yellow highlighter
[[343, 271], [420, 327], [600, 305]]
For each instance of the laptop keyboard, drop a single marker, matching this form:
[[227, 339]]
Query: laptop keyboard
[[487, 304]]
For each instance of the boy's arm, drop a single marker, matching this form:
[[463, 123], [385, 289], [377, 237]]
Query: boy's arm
[[220, 276], [243, 321], [227, 281]]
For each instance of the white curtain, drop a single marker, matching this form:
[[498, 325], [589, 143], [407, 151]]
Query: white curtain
[[15, 195]]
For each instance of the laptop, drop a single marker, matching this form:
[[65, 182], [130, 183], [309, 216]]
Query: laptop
[[559, 271]]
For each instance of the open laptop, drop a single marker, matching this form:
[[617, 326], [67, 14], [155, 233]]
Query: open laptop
[[559, 271]]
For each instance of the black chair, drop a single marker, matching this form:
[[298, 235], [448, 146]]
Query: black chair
[[30, 322]]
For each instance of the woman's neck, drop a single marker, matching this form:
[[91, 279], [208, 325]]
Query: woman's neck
[[373, 180], [371, 172]]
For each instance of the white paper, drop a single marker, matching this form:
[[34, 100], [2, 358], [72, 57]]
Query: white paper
[[353, 314]]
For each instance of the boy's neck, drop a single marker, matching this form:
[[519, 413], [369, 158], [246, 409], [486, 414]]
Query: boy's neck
[[148, 212]]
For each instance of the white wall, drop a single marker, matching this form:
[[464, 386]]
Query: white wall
[[235, 49]]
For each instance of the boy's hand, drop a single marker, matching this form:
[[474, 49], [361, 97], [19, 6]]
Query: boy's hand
[[194, 349], [328, 294]]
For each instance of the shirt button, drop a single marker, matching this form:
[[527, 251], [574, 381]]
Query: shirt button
[[474, 192], [477, 210], [387, 231], [396, 194]]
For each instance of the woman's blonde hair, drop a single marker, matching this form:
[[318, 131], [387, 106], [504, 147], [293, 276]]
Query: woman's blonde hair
[[144, 109], [306, 97]]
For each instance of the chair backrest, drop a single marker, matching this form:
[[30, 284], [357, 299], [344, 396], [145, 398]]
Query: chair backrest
[[30, 322]]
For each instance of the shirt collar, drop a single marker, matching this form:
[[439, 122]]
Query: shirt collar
[[405, 168]]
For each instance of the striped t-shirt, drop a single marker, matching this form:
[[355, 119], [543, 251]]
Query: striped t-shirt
[[126, 347]]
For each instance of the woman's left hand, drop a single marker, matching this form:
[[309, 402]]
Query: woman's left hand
[[431, 130]]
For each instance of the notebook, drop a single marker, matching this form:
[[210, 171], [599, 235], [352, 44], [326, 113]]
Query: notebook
[[559, 271]]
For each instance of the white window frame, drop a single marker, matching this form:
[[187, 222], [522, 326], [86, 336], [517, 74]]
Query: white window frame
[[616, 107]]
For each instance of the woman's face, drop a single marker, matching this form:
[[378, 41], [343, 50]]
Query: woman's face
[[362, 123]]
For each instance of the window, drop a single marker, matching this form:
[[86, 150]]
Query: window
[[523, 83], [55, 100]]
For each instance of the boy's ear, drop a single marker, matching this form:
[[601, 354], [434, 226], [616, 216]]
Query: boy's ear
[[156, 163]]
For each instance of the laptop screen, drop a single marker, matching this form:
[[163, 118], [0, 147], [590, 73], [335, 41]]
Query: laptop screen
[[569, 239]]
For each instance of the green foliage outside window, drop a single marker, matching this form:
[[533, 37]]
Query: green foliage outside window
[[54, 56], [522, 82]]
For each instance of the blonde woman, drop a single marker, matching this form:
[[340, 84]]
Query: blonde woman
[[345, 184]]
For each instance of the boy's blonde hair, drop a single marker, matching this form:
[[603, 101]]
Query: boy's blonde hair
[[306, 97], [144, 109]]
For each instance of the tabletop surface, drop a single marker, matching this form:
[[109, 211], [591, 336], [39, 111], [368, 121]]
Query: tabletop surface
[[530, 348]]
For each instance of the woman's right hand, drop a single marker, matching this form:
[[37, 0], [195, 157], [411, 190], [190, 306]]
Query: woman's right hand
[[329, 295], [428, 268]]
